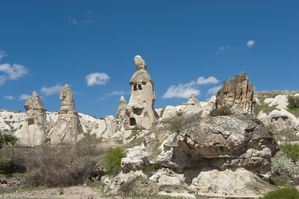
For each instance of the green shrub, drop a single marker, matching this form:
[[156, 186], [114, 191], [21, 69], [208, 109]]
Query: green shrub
[[5, 163], [6, 138], [282, 180], [283, 165], [283, 193], [176, 124], [221, 111], [293, 105], [291, 150], [263, 107], [113, 160]]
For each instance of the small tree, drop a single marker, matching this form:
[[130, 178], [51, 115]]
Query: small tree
[[113, 160]]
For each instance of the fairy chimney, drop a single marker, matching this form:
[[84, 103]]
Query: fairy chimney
[[140, 110]]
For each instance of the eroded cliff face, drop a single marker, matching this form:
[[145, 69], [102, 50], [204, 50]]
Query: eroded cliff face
[[236, 94], [191, 158]]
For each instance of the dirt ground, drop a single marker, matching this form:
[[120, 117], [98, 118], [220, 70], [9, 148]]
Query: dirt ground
[[76, 192]]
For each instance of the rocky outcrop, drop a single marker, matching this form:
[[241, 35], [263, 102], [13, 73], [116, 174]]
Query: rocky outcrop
[[67, 128], [35, 128], [140, 110], [220, 142], [236, 94]]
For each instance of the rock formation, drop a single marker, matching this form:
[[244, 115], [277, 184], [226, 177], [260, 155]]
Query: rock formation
[[192, 100], [67, 128], [236, 94], [140, 110], [35, 128], [121, 111]]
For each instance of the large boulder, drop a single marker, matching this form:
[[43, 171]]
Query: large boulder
[[219, 142], [236, 94]]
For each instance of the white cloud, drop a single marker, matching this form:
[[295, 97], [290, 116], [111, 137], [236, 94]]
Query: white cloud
[[24, 97], [209, 80], [117, 93], [2, 54], [213, 91], [250, 43], [9, 97], [97, 78], [11, 72], [181, 91], [51, 90]]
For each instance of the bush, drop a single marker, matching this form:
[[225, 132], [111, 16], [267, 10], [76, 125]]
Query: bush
[[221, 112], [113, 160], [283, 193], [176, 124], [5, 163], [54, 166], [291, 150], [281, 180], [293, 105], [293, 102], [283, 165], [6, 138]]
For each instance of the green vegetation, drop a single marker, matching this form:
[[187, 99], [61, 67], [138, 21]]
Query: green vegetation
[[113, 160], [291, 150], [283, 193], [286, 135], [263, 107], [293, 105], [283, 165], [221, 111], [149, 169], [176, 124], [6, 138], [281, 180]]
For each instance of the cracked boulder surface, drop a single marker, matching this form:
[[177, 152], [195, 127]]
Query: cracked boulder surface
[[222, 142]]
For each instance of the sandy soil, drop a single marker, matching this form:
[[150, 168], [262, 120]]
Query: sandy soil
[[76, 192]]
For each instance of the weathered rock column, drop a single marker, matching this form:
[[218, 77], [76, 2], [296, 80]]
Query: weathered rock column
[[67, 127], [35, 128], [236, 94]]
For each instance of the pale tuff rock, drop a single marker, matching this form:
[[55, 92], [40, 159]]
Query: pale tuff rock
[[280, 101], [67, 128], [136, 159], [193, 100], [208, 106], [121, 111], [236, 94], [140, 110], [11, 121], [279, 119], [219, 142], [237, 183], [34, 130]]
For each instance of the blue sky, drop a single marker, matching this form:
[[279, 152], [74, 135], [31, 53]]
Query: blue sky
[[45, 44]]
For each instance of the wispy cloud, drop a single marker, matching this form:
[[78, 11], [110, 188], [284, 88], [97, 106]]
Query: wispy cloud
[[11, 72], [118, 93], [182, 90], [250, 43], [88, 19], [51, 89], [8, 97], [213, 91], [24, 97], [209, 80], [223, 49], [2, 54], [97, 78]]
